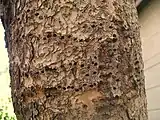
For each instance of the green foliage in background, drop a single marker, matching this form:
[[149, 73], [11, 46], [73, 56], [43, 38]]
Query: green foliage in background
[[4, 110], [6, 107]]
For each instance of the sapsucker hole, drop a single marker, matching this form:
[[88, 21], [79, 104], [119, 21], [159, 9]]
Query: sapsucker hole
[[82, 65], [36, 73], [54, 69], [100, 24], [62, 66], [87, 74], [95, 57], [28, 10], [110, 27], [114, 50], [116, 96], [77, 90], [44, 38], [47, 68], [94, 72], [114, 88], [59, 86], [100, 82], [101, 67], [138, 80], [75, 63], [93, 26], [81, 40], [80, 88], [49, 35], [64, 88], [136, 69], [54, 35], [100, 38], [84, 26], [87, 40], [84, 106], [84, 84], [30, 34], [23, 36], [88, 67], [72, 87], [109, 75], [42, 71], [26, 75], [68, 87], [117, 80], [114, 35], [36, 14], [69, 36], [137, 62], [18, 19], [62, 37], [32, 88], [114, 40], [95, 64], [90, 85]]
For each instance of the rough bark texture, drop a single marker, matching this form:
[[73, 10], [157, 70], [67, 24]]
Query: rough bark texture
[[75, 60]]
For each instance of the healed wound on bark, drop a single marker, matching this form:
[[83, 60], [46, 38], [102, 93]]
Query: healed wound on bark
[[75, 60]]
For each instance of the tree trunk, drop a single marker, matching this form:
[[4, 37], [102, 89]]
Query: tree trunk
[[75, 59]]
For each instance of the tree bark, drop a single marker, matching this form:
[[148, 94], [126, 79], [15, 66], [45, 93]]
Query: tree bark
[[75, 59]]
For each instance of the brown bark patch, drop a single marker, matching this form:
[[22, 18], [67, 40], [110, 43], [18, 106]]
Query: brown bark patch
[[34, 94], [87, 98]]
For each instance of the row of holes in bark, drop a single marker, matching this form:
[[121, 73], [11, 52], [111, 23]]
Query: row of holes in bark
[[93, 24], [59, 87], [75, 63], [94, 72], [49, 34]]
